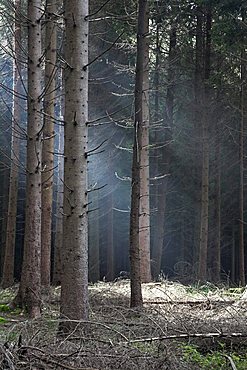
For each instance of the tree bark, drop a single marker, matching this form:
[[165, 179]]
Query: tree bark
[[203, 249], [144, 215], [9, 256], [135, 270], [29, 295], [48, 142], [198, 87], [74, 284], [241, 256]]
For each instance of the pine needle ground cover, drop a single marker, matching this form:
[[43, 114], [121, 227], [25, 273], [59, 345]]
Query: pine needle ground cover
[[180, 327]]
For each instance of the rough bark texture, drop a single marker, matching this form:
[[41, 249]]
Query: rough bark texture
[[203, 251], [48, 141], [144, 216], [30, 286], [9, 256], [135, 273], [241, 264], [74, 284]]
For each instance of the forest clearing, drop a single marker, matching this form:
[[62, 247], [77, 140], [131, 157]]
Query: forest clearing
[[180, 327]]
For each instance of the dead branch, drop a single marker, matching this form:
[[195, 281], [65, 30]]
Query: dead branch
[[187, 336]]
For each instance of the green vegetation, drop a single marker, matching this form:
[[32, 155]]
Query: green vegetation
[[216, 360], [4, 308]]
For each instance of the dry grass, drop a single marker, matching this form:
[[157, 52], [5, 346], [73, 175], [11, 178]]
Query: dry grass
[[117, 337]]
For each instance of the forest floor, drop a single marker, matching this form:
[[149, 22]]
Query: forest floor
[[180, 327]]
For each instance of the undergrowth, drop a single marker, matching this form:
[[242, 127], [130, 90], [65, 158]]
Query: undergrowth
[[216, 360]]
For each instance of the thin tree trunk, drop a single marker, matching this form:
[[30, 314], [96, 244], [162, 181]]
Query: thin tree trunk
[[135, 271], [241, 174], [9, 256], [29, 295], [58, 248], [233, 256], [144, 215], [203, 251], [217, 239], [4, 202], [94, 257], [74, 284], [198, 86], [48, 141], [110, 240]]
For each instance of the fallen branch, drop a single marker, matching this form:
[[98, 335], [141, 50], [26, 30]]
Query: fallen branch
[[192, 303], [53, 362], [187, 335]]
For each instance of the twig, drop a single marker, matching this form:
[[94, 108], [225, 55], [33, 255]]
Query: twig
[[63, 365], [234, 367], [104, 52]]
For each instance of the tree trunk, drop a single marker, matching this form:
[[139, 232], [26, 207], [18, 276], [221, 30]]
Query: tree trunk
[[198, 86], [48, 141], [58, 243], [74, 284], [110, 240], [9, 256], [144, 215], [4, 210], [203, 250], [58, 248], [241, 172], [233, 256], [93, 219], [216, 265], [29, 295], [135, 271], [156, 161]]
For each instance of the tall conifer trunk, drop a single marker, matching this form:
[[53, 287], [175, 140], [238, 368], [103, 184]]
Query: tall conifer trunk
[[48, 141], [241, 264], [9, 255], [135, 270], [58, 243], [203, 250], [74, 284], [144, 215], [198, 86], [29, 295]]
